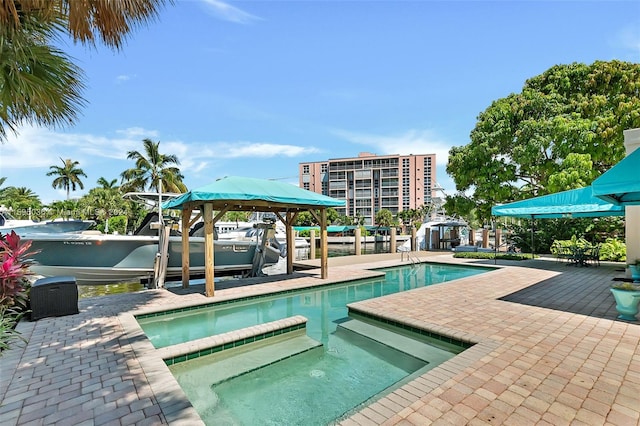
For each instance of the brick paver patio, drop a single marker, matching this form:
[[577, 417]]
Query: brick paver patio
[[548, 350]]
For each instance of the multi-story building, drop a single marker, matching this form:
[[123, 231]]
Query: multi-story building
[[372, 182]]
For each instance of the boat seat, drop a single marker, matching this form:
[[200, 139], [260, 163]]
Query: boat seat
[[198, 231]]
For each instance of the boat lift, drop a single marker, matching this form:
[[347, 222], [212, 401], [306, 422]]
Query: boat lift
[[266, 232]]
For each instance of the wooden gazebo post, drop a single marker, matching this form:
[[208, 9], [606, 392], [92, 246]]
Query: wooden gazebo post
[[273, 198], [291, 244], [208, 249], [186, 218]]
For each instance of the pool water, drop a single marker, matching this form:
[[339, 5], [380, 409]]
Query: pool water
[[312, 388], [319, 385], [181, 327]]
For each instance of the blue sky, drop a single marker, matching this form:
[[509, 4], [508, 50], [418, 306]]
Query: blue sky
[[253, 88]]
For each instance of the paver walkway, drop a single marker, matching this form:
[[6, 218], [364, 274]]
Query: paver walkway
[[535, 360]]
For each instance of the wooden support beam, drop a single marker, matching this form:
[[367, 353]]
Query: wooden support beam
[[208, 250], [191, 221], [291, 244], [186, 215]]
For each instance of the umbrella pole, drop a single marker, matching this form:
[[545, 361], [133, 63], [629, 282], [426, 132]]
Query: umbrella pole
[[533, 225]]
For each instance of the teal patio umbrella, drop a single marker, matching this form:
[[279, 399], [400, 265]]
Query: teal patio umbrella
[[566, 204], [574, 203], [621, 183]]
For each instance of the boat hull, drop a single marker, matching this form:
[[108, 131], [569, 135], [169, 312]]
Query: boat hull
[[117, 258]]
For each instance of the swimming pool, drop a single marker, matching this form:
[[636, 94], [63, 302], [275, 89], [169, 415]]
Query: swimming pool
[[322, 383]]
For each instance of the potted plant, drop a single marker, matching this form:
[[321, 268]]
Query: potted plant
[[627, 297], [635, 270]]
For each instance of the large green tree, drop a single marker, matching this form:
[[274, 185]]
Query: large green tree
[[520, 143], [68, 176], [153, 170], [39, 84]]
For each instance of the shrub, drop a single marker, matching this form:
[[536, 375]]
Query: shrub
[[14, 285], [613, 250], [488, 255], [595, 230]]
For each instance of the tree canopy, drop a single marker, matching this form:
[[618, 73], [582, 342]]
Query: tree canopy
[[68, 176], [39, 83], [153, 170], [111, 21], [540, 140]]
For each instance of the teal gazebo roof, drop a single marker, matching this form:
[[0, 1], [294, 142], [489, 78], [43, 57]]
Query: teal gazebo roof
[[241, 193]]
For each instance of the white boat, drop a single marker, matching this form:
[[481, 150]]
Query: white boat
[[440, 233], [93, 257], [249, 231], [9, 223]]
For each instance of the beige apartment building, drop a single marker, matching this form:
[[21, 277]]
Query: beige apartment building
[[371, 182]]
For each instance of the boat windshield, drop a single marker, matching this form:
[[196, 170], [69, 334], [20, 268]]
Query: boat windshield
[[6, 215]]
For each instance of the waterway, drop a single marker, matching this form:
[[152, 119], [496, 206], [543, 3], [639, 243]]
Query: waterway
[[335, 250]]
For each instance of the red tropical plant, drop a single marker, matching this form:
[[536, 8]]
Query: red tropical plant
[[14, 268], [14, 285]]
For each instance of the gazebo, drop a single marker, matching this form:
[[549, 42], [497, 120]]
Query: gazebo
[[286, 201]]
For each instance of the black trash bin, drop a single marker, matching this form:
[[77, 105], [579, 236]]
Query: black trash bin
[[54, 297]]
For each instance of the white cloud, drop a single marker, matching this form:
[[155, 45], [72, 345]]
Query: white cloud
[[410, 142], [124, 78], [35, 147], [247, 149], [38, 146], [138, 133], [25, 158], [226, 12]]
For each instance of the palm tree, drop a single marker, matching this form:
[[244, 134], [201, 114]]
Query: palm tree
[[153, 170], [22, 193], [111, 20], [39, 83], [68, 176], [104, 202], [106, 199], [108, 184], [22, 201], [67, 209]]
